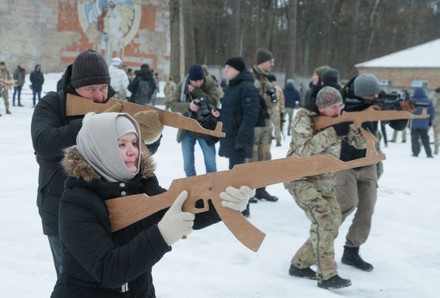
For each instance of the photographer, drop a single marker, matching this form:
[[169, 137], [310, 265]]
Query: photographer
[[356, 189], [197, 97]]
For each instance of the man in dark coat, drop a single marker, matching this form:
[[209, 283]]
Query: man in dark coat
[[52, 131], [240, 105], [37, 81], [143, 75], [356, 189]]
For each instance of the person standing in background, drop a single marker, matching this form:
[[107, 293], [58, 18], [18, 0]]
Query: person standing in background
[[5, 85], [119, 79], [292, 97], [240, 105], [37, 81], [419, 127], [197, 97], [264, 63], [19, 76]]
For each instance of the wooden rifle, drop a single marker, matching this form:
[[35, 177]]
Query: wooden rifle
[[77, 105], [125, 211]]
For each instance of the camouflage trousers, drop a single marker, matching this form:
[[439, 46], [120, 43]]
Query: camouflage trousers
[[322, 209], [5, 94], [262, 143]]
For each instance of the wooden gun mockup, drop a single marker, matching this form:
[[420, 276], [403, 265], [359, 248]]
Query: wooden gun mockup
[[125, 211], [321, 122], [77, 105]]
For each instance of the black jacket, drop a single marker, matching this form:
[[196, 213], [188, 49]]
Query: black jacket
[[52, 131], [240, 106], [348, 152], [37, 80], [97, 262]]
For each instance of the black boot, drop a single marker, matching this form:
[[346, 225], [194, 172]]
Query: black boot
[[262, 194], [335, 282], [246, 212], [305, 272], [351, 257]]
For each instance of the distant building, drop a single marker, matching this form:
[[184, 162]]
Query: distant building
[[418, 66]]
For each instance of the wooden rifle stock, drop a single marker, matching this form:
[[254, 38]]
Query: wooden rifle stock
[[125, 211], [321, 122], [77, 105]]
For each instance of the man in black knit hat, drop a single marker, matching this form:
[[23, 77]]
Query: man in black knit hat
[[263, 132], [52, 131]]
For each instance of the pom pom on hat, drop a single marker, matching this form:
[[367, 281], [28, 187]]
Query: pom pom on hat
[[366, 84], [236, 63], [89, 68], [263, 55], [195, 73]]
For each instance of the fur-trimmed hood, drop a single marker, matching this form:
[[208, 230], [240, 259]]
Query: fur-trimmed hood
[[76, 166]]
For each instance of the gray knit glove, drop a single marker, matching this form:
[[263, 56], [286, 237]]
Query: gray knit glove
[[236, 198], [176, 223]]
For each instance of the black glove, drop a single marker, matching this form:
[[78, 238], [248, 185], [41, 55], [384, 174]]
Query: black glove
[[342, 129]]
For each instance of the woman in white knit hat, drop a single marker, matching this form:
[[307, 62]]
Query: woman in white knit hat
[[107, 163]]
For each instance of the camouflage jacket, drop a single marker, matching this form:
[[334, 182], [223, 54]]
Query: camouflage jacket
[[307, 142], [263, 85]]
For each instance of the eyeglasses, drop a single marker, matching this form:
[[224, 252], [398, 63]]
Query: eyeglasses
[[337, 106]]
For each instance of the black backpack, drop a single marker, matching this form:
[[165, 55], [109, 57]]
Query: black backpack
[[263, 114], [143, 93]]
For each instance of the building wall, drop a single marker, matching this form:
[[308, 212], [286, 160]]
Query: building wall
[[403, 77], [52, 33]]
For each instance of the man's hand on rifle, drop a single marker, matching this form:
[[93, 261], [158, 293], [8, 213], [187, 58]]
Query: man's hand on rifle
[[176, 223], [150, 125], [406, 106], [236, 198]]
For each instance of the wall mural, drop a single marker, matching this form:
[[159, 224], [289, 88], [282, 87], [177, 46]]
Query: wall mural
[[109, 25]]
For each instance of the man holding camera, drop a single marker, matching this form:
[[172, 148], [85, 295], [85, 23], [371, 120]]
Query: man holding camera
[[263, 133], [197, 97], [356, 189]]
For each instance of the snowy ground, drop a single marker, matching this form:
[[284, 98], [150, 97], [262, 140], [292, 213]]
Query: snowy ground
[[403, 245]]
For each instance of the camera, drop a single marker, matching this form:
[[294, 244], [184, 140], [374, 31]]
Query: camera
[[273, 95], [203, 103]]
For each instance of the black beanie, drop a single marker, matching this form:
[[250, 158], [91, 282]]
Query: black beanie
[[237, 63], [263, 56], [331, 75], [89, 68], [195, 73]]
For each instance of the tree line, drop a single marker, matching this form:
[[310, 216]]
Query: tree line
[[302, 34]]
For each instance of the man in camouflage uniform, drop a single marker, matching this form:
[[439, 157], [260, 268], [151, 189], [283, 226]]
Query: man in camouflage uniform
[[5, 85], [314, 194], [278, 110], [263, 135]]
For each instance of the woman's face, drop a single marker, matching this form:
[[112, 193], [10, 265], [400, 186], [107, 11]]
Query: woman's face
[[129, 149]]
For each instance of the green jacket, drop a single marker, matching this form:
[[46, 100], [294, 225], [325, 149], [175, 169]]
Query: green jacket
[[181, 98]]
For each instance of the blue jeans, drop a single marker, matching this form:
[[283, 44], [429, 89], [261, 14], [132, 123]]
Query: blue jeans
[[35, 94], [55, 247], [188, 143], [17, 91]]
